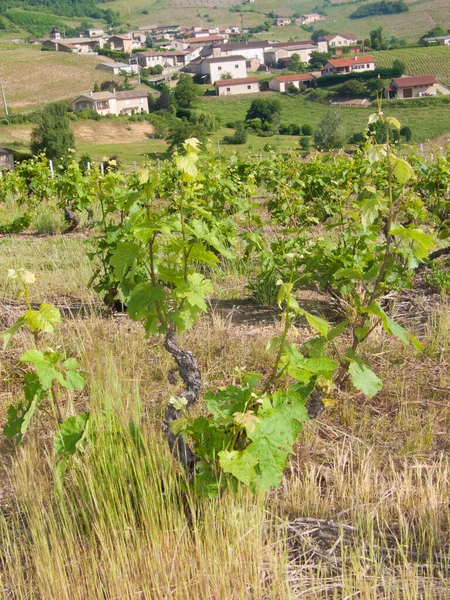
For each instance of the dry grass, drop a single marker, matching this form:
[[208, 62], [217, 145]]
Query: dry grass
[[32, 77], [122, 528]]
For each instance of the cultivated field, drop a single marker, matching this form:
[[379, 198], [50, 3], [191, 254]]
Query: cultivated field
[[419, 61], [363, 507], [31, 77]]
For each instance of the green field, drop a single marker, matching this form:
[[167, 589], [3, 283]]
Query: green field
[[419, 61], [131, 141]]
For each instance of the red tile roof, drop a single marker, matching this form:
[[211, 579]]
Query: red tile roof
[[204, 40], [299, 77], [240, 81], [348, 62], [402, 82]]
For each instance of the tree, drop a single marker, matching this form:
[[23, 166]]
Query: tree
[[164, 102], [186, 91], [317, 60], [353, 89], [149, 43], [438, 30], [319, 33], [398, 68], [330, 132], [266, 109], [96, 87], [185, 130], [52, 134], [375, 85], [376, 38]]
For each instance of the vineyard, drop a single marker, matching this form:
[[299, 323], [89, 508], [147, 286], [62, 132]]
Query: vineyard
[[419, 61], [226, 378]]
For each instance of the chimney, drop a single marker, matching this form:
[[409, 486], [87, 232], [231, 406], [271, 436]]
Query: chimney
[[356, 58]]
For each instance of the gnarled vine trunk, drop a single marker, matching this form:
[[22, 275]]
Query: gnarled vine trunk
[[71, 218], [190, 374]]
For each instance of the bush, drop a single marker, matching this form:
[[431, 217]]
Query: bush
[[305, 142], [291, 129], [352, 89], [307, 129], [254, 124], [406, 132], [240, 136]]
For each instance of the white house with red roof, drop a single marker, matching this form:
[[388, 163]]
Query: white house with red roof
[[300, 80], [339, 66], [414, 87]]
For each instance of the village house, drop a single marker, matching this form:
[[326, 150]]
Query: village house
[[214, 68], [115, 103], [248, 50], [120, 43], [118, 68], [95, 32], [165, 58], [138, 39], [246, 85], [438, 40], [311, 18], [337, 42], [272, 56], [283, 82], [82, 45], [6, 158], [339, 66], [281, 21], [185, 43], [414, 87]]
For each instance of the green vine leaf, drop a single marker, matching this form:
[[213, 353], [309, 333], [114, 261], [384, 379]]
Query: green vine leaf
[[363, 378]]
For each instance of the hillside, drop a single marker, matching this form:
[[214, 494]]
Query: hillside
[[422, 15], [419, 61], [31, 77]]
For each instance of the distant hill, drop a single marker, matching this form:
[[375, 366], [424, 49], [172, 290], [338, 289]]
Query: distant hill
[[36, 16]]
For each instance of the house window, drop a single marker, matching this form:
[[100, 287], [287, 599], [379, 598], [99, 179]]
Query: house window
[[249, 87], [219, 68], [228, 89], [3, 159], [102, 105], [236, 66]]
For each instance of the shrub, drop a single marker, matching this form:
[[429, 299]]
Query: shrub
[[406, 132], [240, 136], [307, 129], [305, 142]]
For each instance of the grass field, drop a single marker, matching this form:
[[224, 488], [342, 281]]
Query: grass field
[[419, 61], [131, 141], [31, 77]]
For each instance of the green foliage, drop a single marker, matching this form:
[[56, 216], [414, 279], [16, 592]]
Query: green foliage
[[330, 132], [438, 277], [50, 371], [268, 110], [379, 8], [52, 135], [186, 91]]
